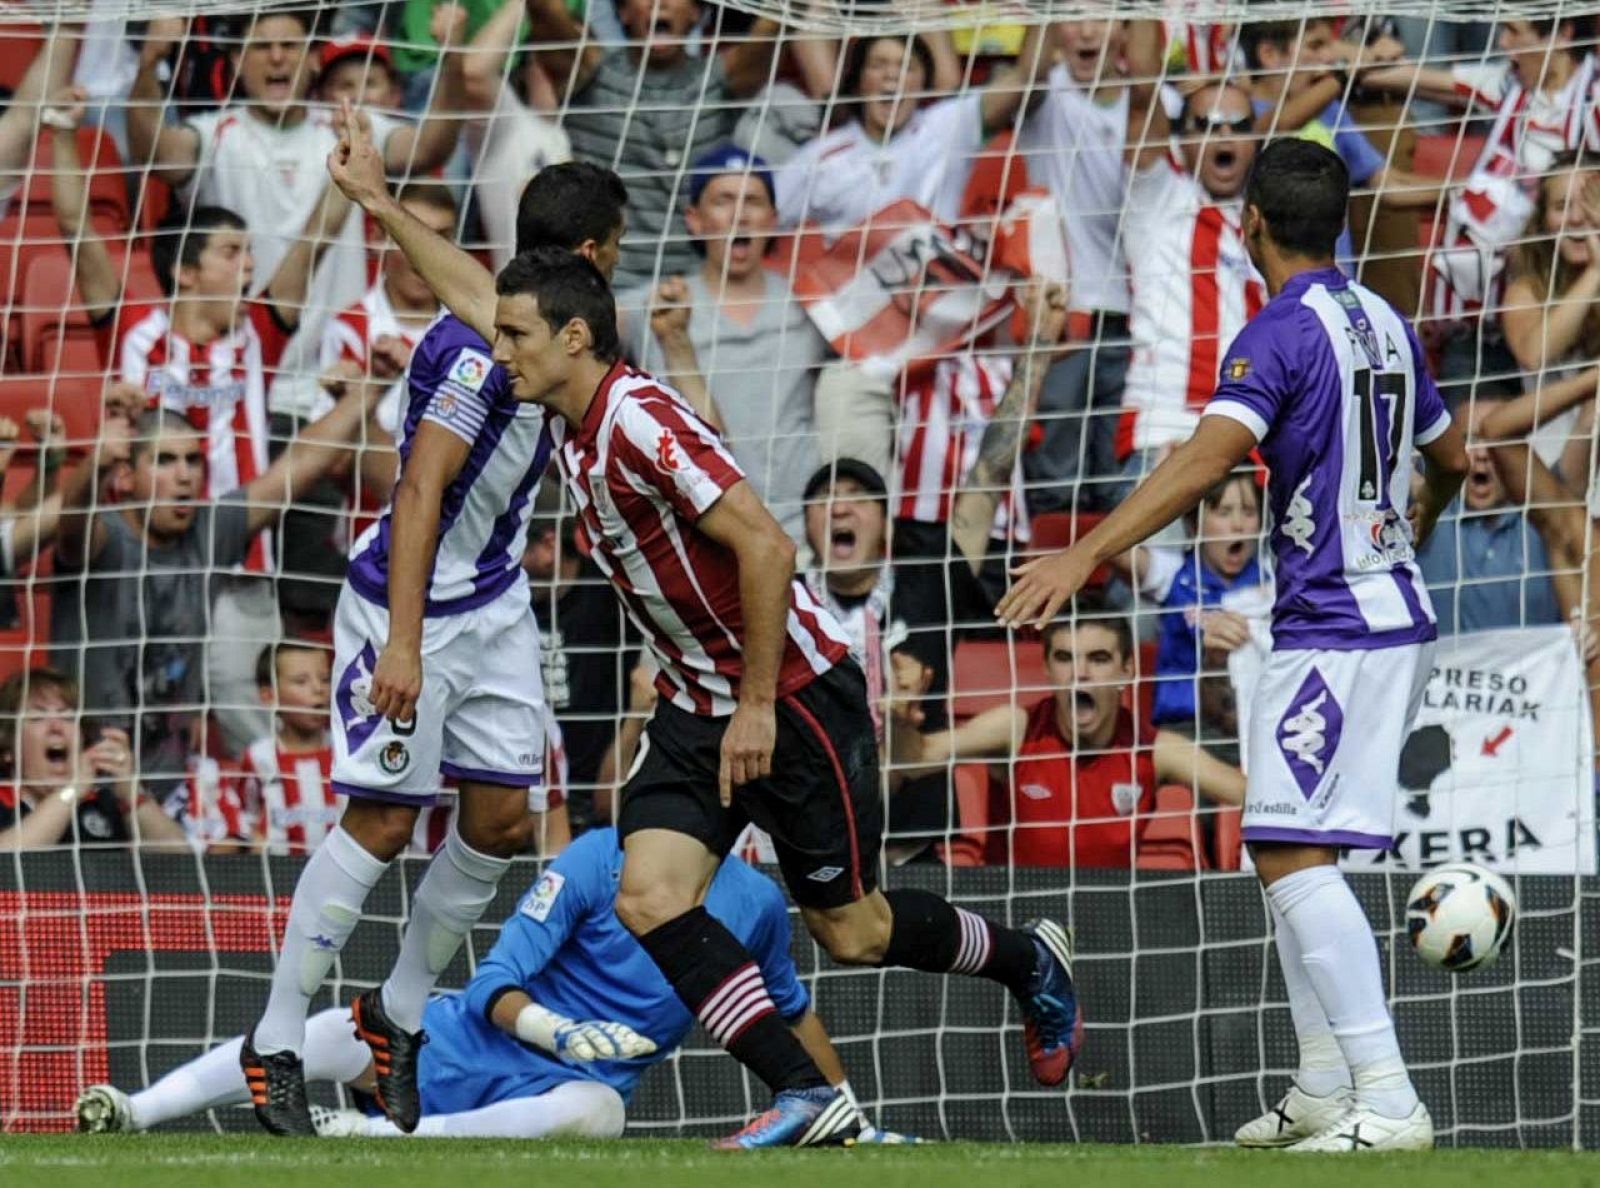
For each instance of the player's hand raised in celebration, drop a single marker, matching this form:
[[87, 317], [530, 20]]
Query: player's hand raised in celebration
[[747, 747], [1042, 587], [397, 683], [356, 163], [596, 1040]]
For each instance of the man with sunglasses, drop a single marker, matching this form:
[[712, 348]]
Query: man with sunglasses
[[1193, 284]]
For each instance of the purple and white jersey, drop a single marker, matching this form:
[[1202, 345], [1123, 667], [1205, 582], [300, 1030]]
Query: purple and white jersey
[[483, 516], [1332, 382]]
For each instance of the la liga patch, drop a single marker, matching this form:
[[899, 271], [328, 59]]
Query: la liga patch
[[543, 896], [470, 370]]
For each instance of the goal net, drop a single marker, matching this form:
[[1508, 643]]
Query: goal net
[[950, 279]]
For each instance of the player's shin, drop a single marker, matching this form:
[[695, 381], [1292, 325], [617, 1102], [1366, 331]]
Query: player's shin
[[931, 934], [455, 891], [1340, 958], [1322, 1069], [327, 904], [721, 984]]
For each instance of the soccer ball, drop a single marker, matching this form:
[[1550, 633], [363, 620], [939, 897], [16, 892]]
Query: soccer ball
[[1459, 916]]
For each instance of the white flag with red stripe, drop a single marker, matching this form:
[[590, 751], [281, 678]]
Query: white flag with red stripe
[[905, 286]]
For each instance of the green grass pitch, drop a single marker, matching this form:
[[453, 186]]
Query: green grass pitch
[[163, 1161]]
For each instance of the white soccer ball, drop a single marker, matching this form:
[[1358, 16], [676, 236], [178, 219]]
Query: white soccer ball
[[1459, 916]]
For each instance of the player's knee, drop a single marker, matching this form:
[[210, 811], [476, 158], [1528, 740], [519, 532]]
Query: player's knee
[[496, 821], [604, 1115], [852, 942], [645, 909], [382, 829]]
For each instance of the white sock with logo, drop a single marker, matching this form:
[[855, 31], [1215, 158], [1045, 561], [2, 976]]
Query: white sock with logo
[[451, 898], [327, 904], [1340, 959], [1322, 1068]]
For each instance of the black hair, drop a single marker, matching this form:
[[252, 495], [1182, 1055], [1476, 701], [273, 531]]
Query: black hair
[[1281, 34], [267, 661], [855, 62], [244, 26], [181, 238], [1302, 190], [1582, 30], [566, 286], [566, 204], [1090, 608]]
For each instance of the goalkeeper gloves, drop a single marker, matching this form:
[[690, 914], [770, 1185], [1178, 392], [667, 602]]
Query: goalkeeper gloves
[[580, 1041]]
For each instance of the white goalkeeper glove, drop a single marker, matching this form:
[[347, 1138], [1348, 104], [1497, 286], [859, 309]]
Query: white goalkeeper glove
[[580, 1041]]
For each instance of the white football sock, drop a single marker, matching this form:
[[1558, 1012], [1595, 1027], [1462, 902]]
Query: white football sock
[[327, 904], [1340, 958], [333, 1053], [577, 1109], [451, 898], [1322, 1067]]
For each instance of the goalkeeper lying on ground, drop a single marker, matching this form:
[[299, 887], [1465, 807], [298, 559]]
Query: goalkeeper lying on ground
[[549, 1038]]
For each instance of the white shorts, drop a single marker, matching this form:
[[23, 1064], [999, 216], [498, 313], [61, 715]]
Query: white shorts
[[1326, 729], [481, 714]]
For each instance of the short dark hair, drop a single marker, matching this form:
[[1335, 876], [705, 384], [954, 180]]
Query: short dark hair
[[310, 20], [564, 205], [566, 286], [1281, 34], [429, 193], [182, 236], [154, 423], [267, 661], [1302, 191], [1090, 609]]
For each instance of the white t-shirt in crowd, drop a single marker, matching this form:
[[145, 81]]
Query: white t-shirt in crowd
[[508, 147]]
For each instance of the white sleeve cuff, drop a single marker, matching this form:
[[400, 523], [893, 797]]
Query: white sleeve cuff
[[1433, 431], [1236, 411]]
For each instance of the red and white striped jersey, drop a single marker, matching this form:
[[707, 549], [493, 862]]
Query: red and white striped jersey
[[1488, 213], [642, 468], [1193, 288], [289, 795], [350, 335], [943, 412], [1201, 48], [220, 387], [214, 811]]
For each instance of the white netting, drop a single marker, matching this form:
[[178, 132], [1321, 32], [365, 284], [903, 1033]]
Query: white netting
[[890, 335]]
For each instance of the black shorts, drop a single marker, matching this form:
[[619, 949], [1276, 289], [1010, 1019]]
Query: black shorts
[[822, 803]]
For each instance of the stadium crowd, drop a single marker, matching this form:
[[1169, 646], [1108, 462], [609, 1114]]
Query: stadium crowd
[[946, 298]]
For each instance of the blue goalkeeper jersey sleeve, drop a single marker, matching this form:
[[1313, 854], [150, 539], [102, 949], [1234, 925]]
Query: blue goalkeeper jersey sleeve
[[565, 948]]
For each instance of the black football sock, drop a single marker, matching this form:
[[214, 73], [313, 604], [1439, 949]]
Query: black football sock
[[721, 984], [931, 934]]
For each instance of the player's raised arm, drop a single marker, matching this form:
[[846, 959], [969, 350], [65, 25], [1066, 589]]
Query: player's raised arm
[[1043, 586], [463, 285], [739, 522]]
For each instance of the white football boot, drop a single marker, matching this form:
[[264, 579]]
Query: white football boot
[[331, 1123], [1363, 1130], [1297, 1116], [103, 1109]]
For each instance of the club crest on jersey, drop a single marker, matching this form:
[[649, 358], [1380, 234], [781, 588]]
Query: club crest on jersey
[[1238, 368], [1125, 798], [667, 456], [470, 370], [543, 896]]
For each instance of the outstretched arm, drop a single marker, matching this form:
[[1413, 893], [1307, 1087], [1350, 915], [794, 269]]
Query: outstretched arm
[[417, 149], [1180, 760], [748, 65], [314, 451], [99, 280], [50, 70], [1177, 485], [465, 286], [1149, 130], [171, 152]]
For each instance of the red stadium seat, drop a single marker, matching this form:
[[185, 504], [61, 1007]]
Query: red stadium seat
[[970, 845], [17, 51], [108, 183], [76, 399], [990, 672], [56, 333], [1054, 531], [1171, 840], [1226, 842]]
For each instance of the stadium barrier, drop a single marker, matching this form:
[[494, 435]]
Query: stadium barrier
[[101, 979]]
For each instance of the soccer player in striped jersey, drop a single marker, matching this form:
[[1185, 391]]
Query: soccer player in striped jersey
[[1329, 382], [549, 1038], [762, 718], [435, 667]]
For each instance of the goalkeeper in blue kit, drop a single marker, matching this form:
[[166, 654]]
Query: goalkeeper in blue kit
[[549, 1038]]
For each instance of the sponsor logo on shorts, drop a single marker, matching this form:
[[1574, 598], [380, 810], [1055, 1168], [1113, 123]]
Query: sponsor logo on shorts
[[394, 758], [825, 874], [543, 896]]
